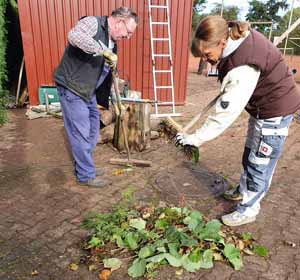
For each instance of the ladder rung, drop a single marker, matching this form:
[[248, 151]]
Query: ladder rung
[[159, 22], [152, 116], [160, 39], [164, 87], [162, 71], [165, 102], [158, 6], [161, 55]]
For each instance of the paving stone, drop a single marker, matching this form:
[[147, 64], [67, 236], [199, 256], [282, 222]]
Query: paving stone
[[81, 233], [59, 218], [40, 221], [59, 231], [19, 227], [61, 245], [36, 230]]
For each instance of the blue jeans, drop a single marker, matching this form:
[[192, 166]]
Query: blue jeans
[[81, 121], [263, 148]]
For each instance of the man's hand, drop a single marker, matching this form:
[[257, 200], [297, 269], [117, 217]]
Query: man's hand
[[110, 58]]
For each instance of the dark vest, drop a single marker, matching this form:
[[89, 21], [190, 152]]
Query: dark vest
[[79, 71], [276, 93]]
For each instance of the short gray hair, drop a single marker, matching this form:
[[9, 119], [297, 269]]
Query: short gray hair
[[125, 12]]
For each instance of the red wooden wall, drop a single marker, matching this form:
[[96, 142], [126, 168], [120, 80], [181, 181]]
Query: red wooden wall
[[45, 24]]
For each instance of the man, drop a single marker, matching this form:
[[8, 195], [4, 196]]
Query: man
[[254, 76], [84, 79]]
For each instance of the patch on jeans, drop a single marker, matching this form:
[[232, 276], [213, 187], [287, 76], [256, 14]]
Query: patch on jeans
[[265, 149]]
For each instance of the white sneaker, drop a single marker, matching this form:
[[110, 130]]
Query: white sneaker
[[237, 219]]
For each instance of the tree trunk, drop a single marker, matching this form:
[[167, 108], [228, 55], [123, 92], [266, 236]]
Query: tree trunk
[[137, 126]]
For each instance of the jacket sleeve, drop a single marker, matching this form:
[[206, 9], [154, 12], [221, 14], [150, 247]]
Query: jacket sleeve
[[238, 87], [82, 35]]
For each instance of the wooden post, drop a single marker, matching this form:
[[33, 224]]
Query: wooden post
[[137, 125]]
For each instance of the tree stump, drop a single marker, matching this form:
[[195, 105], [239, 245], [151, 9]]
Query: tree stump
[[137, 126]]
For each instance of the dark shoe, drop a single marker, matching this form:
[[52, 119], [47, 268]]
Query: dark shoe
[[233, 194], [95, 183], [99, 171]]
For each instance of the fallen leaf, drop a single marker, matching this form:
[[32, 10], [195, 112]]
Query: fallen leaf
[[92, 267], [222, 233], [162, 215], [146, 215], [241, 245], [218, 257], [104, 274], [34, 273], [248, 252], [118, 172], [73, 266], [289, 243], [112, 263], [179, 272]]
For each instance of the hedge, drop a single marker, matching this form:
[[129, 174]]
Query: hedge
[[3, 71]]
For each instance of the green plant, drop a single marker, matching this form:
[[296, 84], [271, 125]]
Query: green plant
[[3, 73], [179, 237]]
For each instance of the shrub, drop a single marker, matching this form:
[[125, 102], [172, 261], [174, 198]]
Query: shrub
[[3, 73]]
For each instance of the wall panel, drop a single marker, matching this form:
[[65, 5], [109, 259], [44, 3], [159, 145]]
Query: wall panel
[[45, 24]]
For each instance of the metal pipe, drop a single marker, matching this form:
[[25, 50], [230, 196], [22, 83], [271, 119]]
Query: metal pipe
[[290, 22], [222, 8], [19, 81]]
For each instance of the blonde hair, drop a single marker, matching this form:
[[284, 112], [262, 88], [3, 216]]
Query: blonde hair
[[212, 29]]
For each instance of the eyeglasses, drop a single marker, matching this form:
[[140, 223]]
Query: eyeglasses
[[129, 32]]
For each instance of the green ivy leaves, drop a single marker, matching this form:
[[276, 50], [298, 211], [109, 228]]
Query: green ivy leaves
[[176, 236]]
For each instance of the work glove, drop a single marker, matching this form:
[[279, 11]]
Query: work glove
[[183, 139], [189, 145], [110, 58]]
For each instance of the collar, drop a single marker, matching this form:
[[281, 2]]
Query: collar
[[111, 44], [232, 45]]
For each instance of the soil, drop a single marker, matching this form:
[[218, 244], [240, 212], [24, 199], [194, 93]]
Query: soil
[[42, 206]]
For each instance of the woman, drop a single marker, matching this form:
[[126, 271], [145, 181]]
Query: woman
[[253, 76]]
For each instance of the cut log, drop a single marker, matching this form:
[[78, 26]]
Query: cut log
[[107, 116], [137, 125], [106, 134]]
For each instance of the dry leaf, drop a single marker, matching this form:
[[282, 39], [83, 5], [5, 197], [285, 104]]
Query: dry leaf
[[104, 274], [146, 215], [241, 245], [73, 266], [248, 252], [289, 243], [218, 257], [34, 273], [179, 272], [92, 267], [223, 234], [118, 172]]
